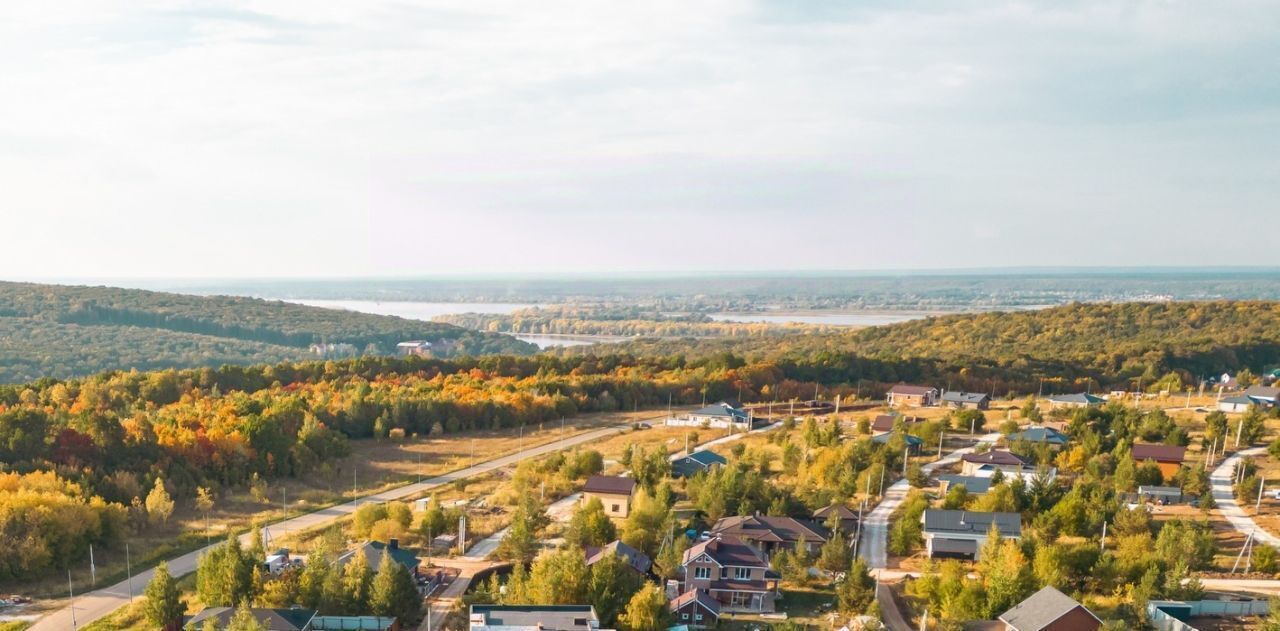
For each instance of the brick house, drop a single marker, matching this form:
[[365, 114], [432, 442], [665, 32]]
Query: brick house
[[732, 573], [911, 396], [695, 608]]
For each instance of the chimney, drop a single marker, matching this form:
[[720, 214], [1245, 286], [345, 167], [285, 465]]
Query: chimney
[[393, 544]]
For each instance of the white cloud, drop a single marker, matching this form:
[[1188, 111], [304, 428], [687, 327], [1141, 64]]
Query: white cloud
[[315, 138]]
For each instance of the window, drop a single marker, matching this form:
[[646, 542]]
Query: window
[[616, 508], [698, 617], [702, 572], [742, 573], [685, 616]]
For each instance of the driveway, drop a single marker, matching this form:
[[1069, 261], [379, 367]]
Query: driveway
[[875, 529]]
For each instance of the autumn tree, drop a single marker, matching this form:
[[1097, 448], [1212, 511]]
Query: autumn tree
[[159, 504], [646, 611], [590, 526]]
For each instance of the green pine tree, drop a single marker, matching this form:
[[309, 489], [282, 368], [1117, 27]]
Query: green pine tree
[[394, 593], [163, 604]]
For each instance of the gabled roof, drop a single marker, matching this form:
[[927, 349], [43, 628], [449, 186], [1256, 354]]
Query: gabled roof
[[883, 439], [696, 595], [707, 457], [1039, 434], [954, 396], [769, 528], [373, 551], [1239, 399], [842, 511], [272, 619], [1042, 608], [911, 390], [1262, 392], [974, 484], [885, 422], [1159, 453], [635, 558], [725, 550], [944, 522], [723, 408], [609, 485], [995, 457], [1083, 398]]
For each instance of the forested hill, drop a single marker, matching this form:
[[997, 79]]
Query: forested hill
[[1110, 344], [63, 331]]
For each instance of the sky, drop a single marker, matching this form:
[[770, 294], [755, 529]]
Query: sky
[[303, 138]]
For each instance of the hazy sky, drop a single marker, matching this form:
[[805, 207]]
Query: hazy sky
[[310, 138]]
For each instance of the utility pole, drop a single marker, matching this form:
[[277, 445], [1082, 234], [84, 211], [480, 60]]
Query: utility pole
[[521, 438], [941, 435], [1258, 504], [972, 421], [906, 456], [1104, 536], [128, 570], [72, 592], [420, 467], [93, 571], [882, 468], [355, 495], [284, 501], [857, 539], [1239, 430]]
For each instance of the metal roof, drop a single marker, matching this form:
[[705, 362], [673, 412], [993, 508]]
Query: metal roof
[[942, 522], [1040, 609], [609, 485]]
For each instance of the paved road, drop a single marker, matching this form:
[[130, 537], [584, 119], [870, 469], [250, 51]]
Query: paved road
[[875, 530], [1258, 586], [1220, 482], [96, 604], [890, 615]]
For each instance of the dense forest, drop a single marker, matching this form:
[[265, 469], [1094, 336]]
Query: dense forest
[[1069, 348], [618, 321], [99, 443], [66, 331]]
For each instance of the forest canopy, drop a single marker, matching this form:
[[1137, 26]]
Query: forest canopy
[[68, 331]]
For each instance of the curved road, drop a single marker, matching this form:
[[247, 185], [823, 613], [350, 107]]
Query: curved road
[[96, 604], [875, 530], [1220, 483]]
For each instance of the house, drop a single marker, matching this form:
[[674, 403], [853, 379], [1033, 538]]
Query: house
[[885, 422], [636, 559], [722, 415], [847, 516], [1049, 610], [1168, 457], [1265, 395], [1238, 403], [421, 348], [613, 491], [695, 608], [733, 573], [914, 443], [988, 462], [355, 623], [963, 400], [974, 485], [373, 551], [696, 462], [1040, 434], [905, 395], [767, 533], [533, 618], [1080, 400], [270, 619], [1160, 494], [959, 534]]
